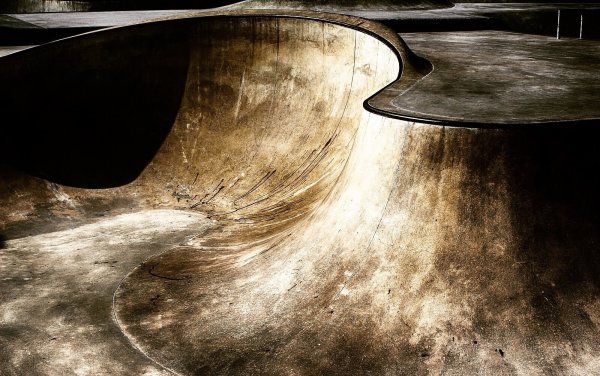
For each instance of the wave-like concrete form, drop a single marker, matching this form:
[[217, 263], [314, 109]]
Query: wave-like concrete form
[[331, 240]]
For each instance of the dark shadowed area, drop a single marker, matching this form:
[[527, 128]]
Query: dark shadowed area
[[104, 135]]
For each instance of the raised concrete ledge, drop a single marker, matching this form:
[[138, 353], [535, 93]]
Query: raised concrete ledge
[[499, 80]]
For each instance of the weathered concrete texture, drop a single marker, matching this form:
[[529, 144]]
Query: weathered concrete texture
[[341, 5], [494, 78], [326, 239], [66, 20], [8, 22], [439, 251], [56, 292], [41, 6], [385, 10], [31, 6]]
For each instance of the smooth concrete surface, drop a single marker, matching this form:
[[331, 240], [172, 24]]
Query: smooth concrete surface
[[246, 215], [8, 22], [496, 79], [65, 20], [405, 11], [50, 6]]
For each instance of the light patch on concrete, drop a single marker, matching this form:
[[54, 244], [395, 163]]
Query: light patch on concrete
[[7, 50], [593, 311], [60, 195]]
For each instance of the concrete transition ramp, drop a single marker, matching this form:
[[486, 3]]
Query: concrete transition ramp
[[268, 224]]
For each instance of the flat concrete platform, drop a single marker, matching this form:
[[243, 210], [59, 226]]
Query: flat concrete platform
[[93, 20], [495, 78], [209, 196], [54, 6], [8, 22]]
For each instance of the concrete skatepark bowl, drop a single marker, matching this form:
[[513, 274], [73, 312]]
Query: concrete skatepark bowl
[[208, 195]]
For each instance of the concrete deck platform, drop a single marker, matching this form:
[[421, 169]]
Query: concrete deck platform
[[498, 79], [94, 20], [208, 196]]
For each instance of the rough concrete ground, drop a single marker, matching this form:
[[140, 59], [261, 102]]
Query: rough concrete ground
[[496, 77], [56, 293]]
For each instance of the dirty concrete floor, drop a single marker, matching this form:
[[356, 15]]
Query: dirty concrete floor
[[495, 78], [56, 291]]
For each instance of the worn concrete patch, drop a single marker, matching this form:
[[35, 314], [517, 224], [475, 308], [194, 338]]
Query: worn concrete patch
[[56, 294]]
